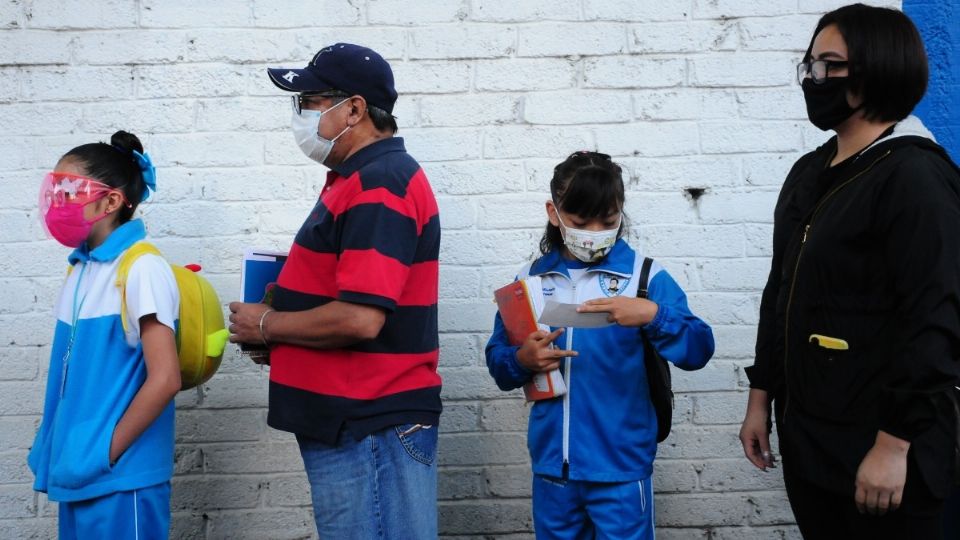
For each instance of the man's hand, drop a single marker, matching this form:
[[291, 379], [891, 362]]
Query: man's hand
[[537, 354], [755, 431], [881, 476], [245, 322], [623, 310]]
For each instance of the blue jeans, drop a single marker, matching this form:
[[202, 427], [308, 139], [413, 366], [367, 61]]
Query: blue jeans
[[383, 486]]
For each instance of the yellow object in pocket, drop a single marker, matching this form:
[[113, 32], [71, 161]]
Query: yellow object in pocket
[[828, 342]]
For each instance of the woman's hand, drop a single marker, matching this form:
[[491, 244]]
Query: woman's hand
[[623, 310], [881, 476], [537, 352], [755, 431]]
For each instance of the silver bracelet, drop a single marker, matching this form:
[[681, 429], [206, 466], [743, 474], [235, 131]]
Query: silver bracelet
[[263, 317]]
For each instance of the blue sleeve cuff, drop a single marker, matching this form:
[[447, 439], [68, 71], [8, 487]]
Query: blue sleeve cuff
[[655, 327], [516, 367]]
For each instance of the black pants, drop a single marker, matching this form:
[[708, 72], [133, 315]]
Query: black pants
[[825, 515]]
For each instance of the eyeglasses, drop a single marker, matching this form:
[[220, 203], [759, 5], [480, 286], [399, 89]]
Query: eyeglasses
[[302, 101], [818, 70]]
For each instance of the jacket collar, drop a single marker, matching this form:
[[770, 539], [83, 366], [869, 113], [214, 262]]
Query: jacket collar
[[119, 240], [367, 154], [619, 261]]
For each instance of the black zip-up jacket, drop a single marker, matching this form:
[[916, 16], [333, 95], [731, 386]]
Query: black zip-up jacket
[[867, 252]]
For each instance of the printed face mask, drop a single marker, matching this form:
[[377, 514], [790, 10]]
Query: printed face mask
[[62, 200], [589, 246], [306, 131], [827, 105]]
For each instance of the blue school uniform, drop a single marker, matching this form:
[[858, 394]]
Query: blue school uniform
[[602, 432], [96, 369]]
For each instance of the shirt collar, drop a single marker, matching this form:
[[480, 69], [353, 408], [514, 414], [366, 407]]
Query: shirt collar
[[119, 240], [618, 261], [369, 153]]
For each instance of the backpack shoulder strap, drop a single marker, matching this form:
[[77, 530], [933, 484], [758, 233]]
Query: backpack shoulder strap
[[643, 283], [129, 257]]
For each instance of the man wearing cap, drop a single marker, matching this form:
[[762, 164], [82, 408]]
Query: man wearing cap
[[352, 326]]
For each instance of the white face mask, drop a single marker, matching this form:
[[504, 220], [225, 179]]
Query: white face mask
[[306, 131], [589, 246]]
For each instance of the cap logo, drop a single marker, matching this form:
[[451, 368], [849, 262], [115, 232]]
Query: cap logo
[[290, 76], [328, 49]]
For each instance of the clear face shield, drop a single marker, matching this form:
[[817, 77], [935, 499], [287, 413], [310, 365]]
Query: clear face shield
[[64, 195]]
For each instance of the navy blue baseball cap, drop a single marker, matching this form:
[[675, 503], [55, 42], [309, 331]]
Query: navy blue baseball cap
[[351, 68]]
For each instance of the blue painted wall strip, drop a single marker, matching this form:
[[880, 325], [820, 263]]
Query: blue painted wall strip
[[939, 24]]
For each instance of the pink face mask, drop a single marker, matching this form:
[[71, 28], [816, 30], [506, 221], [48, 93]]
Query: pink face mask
[[62, 200], [67, 225]]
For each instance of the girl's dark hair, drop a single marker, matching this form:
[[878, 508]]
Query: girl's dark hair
[[114, 165], [586, 184], [887, 61]]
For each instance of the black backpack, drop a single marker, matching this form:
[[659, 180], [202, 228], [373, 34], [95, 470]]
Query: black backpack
[[658, 371]]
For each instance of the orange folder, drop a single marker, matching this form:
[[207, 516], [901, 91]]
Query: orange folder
[[518, 309]]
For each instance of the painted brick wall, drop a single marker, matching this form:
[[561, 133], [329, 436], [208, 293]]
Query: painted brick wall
[[685, 94], [939, 24]]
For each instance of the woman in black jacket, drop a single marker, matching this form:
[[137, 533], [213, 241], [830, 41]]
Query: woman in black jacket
[[859, 335]]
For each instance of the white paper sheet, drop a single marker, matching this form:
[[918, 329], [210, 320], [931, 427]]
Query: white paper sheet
[[556, 314]]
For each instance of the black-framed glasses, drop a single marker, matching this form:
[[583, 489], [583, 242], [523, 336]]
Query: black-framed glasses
[[301, 101], [818, 70]]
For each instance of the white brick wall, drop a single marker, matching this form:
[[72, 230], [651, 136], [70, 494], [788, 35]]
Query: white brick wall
[[685, 94]]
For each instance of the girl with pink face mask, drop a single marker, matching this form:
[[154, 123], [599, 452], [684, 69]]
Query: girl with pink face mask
[[104, 450]]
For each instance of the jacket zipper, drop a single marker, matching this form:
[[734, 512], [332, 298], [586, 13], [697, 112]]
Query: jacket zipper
[[567, 378], [796, 267], [75, 319], [566, 397]]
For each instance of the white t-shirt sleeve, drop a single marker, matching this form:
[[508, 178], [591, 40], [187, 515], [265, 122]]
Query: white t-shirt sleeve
[[151, 289]]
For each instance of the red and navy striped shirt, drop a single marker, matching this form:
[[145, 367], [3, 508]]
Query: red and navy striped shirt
[[373, 238]]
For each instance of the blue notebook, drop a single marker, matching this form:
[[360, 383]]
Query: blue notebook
[[258, 274], [260, 268]]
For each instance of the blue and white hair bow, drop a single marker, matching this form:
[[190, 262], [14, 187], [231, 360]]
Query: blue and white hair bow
[[148, 171]]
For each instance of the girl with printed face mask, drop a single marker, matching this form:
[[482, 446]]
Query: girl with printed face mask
[[856, 354], [104, 449], [592, 448]]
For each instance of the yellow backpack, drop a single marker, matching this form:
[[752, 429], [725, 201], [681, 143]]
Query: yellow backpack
[[201, 336]]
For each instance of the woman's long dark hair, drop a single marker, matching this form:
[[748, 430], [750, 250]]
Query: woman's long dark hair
[[586, 184], [114, 165]]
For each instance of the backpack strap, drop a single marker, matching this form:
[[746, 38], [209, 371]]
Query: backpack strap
[[644, 280], [129, 257], [659, 380]]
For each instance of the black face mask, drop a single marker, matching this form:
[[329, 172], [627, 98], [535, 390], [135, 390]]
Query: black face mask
[[827, 105]]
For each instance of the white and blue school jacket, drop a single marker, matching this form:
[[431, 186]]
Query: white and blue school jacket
[[95, 371], [604, 429]]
